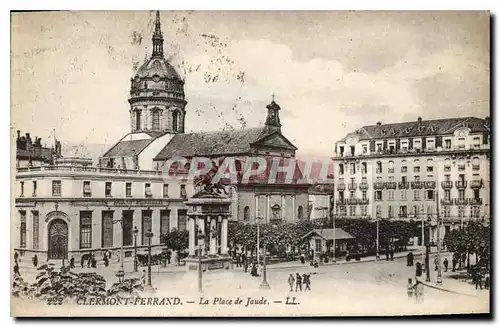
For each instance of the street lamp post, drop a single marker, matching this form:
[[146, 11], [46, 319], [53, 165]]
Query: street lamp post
[[200, 237], [264, 284], [427, 250], [149, 235], [439, 280], [334, 260], [377, 256], [136, 231], [121, 273]]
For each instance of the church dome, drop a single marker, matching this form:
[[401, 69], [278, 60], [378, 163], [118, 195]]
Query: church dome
[[157, 67]]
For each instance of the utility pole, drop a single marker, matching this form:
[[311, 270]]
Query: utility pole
[[439, 280], [377, 256], [334, 239]]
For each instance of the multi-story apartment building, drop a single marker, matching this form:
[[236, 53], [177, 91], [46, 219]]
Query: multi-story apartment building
[[397, 171], [71, 208]]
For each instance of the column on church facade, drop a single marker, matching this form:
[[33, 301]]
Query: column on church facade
[[29, 231], [256, 209], [267, 208], [283, 204], [213, 235], [190, 227], [224, 236]]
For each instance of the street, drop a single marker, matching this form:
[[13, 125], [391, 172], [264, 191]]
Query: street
[[363, 288]]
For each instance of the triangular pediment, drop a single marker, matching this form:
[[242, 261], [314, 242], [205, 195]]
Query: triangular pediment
[[276, 140]]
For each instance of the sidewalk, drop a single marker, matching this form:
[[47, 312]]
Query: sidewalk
[[340, 261]]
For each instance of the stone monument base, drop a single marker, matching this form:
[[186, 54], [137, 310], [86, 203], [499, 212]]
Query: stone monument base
[[208, 263]]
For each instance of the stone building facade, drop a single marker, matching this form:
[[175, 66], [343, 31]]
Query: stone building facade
[[415, 170]]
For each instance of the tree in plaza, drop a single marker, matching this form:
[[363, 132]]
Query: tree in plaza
[[478, 242], [176, 240], [456, 241]]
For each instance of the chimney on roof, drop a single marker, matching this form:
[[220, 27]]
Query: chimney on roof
[[487, 121], [379, 123], [419, 119]]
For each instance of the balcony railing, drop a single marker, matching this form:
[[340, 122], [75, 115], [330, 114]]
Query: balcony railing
[[390, 185], [91, 169], [461, 184], [475, 167], [429, 184], [460, 201], [390, 170], [475, 202], [416, 185], [378, 185], [476, 184], [363, 186], [364, 201], [403, 185], [352, 186], [446, 202], [341, 186], [447, 185], [352, 201], [341, 202]]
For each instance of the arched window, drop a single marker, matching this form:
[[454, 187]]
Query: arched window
[[341, 169], [364, 168], [137, 119], [353, 168], [404, 167], [175, 121], [246, 213], [391, 167], [379, 167], [416, 166], [300, 212], [430, 165], [447, 165], [156, 120], [475, 163]]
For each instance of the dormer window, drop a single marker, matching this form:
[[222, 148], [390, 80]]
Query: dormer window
[[383, 131], [433, 129], [421, 128], [407, 130], [393, 131]]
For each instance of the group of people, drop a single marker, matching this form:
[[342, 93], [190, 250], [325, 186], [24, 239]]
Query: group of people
[[298, 281]]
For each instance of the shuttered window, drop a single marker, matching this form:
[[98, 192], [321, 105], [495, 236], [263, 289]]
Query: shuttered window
[[107, 229]]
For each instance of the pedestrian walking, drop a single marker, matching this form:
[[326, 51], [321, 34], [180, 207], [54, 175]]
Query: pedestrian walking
[[386, 253], [16, 270], [411, 259], [35, 260], [476, 277], [89, 261], [410, 288], [445, 264], [435, 263], [453, 263], [291, 281], [82, 261], [106, 260], [418, 269], [72, 262], [298, 282], [392, 253], [143, 277], [307, 282]]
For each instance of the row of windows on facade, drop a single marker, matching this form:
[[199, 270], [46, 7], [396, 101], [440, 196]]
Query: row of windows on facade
[[416, 178], [276, 212], [475, 211], [416, 166], [85, 227], [87, 190], [156, 120], [429, 195], [404, 146]]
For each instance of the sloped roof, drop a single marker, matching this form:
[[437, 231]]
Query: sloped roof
[[211, 143], [423, 128], [327, 234], [128, 148]]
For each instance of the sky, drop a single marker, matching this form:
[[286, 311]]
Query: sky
[[330, 71]]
